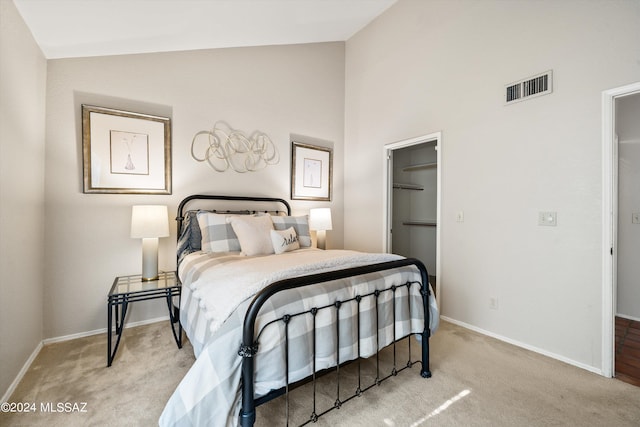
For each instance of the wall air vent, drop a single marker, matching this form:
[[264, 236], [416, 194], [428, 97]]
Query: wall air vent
[[531, 87]]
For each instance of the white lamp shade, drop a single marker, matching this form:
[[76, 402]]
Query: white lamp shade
[[149, 221], [320, 219]]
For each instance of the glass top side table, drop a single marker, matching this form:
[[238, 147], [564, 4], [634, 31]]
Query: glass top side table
[[129, 289]]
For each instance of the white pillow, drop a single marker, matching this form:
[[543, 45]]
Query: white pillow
[[285, 240], [253, 234]]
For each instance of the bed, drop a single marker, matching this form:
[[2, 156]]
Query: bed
[[262, 323]]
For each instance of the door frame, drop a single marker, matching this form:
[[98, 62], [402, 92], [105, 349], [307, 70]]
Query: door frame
[[387, 193], [610, 222]]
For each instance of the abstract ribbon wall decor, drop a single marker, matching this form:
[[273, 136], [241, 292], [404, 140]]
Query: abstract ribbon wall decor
[[224, 147]]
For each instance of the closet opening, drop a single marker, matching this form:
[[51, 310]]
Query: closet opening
[[618, 212], [412, 190], [626, 240]]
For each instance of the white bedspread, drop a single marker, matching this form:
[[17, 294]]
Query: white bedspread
[[217, 289], [220, 290]]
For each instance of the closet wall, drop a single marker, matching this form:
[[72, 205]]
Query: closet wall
[[415, 203]]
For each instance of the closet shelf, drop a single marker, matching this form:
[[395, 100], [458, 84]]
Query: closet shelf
[[420, 223], [408, 186], [419, 166]]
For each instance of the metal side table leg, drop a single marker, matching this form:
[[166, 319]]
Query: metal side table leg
[[119, 327], [174, 317]]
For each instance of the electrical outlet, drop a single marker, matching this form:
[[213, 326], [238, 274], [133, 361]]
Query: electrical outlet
[[493, 303], [635, 218]]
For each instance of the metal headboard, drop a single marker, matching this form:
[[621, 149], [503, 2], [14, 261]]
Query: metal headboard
[[194, 197]]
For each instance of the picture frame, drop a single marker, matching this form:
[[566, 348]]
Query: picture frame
[[125, 152], [311, 172]]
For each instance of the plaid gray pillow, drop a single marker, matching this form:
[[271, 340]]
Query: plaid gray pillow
[[190, 238], [217, 233], [299, 223]]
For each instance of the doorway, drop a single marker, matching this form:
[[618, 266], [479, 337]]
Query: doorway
[[627, 269], [412, 192], [612, 218]]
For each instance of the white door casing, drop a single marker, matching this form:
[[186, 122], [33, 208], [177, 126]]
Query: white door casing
[[387, 193], [609, 222]]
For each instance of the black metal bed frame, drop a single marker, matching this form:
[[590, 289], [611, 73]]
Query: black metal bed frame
[[250, 341]]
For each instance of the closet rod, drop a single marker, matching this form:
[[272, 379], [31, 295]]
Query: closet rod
[[420, 223], [408, 187]]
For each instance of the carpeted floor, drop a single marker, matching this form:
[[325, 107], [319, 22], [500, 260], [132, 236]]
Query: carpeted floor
[[477, 381]]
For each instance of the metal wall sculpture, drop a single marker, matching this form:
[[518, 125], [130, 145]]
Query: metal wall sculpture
[[224, 147]]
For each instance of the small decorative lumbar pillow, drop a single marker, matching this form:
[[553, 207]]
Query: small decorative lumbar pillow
[[299, 223], [284, 240], [253, 234]]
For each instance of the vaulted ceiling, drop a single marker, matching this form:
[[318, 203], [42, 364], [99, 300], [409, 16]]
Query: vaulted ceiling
[[74, 28]]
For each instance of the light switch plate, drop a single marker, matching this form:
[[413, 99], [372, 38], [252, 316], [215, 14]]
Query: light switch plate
[[548, 218], [635, 218]]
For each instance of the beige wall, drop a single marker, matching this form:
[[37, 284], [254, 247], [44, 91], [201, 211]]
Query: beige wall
[[279, 90], [427, 66], [22, 115]]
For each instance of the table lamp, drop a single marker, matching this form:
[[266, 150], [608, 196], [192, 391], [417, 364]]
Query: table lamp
[[149, 222], [320, 220]]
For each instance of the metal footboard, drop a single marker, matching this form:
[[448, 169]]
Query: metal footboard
[[250, 341]]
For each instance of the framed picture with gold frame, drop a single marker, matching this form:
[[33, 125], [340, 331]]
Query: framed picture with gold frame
[[125, 152], [311, 172]]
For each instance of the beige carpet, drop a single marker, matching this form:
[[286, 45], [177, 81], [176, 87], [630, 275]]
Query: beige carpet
[[477, 381]]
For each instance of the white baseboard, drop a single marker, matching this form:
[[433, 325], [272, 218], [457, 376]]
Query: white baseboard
[[525, 346], [23, 371], [624, 316], [101, 331], [47, 341]]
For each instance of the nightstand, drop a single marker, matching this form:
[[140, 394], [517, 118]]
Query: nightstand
[[129, 289]]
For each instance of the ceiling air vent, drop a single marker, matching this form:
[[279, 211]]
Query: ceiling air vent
[[531, 87]]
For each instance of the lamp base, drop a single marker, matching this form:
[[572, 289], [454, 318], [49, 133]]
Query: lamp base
[[321, 239], [149, 259]]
